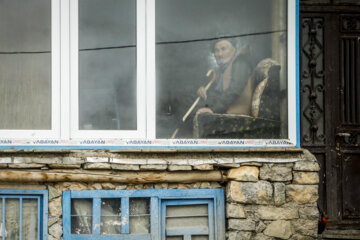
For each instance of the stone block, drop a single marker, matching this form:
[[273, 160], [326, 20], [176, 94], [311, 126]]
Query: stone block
[[255, 164], [280, 229], [245, 173], [277, 213], [108, 186], [53, 192], [97, 159], [194, 162], [242, 224], [73, 160], [309, 213], [154, 161], [301, 194], [70, 186], [3, 165], [23, 160], [55, 209], [5, 160], [279, 194], [248, 192], [125, 167], [26, 165], [224, 160], [153, 167], [179, 168], [310, 166], [305, 227], [306, 178], [203, 167], [227, 165], [97, 166], [178, 162], [239, 235], [261, 236], [301, 237], [128, 161], [276, 173], [56, 231], [234, 211], [64, 166], [260, 227]]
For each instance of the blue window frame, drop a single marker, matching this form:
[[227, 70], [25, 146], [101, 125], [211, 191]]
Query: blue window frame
[[144, 214], [23, 214]]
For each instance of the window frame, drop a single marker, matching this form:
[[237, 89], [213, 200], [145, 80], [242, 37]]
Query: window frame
[[41, 195], [66, 134], [157, 197]]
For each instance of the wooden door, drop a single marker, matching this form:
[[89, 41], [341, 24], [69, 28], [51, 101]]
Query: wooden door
[[330, 104]]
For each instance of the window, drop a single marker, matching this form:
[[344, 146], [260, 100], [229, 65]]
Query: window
[[144, 214], [23, 214], [158, 73]]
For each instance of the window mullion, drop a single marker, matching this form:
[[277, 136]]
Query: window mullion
[[125, 219], [20, 217], [65, 69], [154, 218], [96, 216], [150, 71]]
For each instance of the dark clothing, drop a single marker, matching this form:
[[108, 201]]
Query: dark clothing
[[237, 73]]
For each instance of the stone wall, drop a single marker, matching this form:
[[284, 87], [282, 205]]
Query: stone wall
[[269, 195]]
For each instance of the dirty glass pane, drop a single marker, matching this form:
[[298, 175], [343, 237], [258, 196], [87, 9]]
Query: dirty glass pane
[[236, 48], [25, 64], [12, 216], [199, 238], [81, 216], [139, 215], [107, 65], [187, 210], [174, 238], [30, 219], [110, 216], [187, 216]]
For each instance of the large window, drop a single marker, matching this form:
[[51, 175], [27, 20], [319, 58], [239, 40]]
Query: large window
[[144, 214], [23, 214], [148, 72]]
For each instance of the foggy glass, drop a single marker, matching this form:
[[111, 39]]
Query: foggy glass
[[30, 219], [81, 216], [187, 216], [110, 216], [25, 64], [107, 65], [139, 215], [12, 217], [186, 33]]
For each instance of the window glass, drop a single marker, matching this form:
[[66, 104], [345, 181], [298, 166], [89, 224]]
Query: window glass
[[12, 217], [107, 65], [25, 64], [110, 216], [81, 216], [187, 216], [230, 54], [139, 215], [30, 219]]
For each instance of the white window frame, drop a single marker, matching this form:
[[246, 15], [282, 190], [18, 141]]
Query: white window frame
[[55, 86], [65, 131]]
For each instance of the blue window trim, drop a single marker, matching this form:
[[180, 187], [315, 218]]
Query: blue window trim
[[215, 198], [42, 196]]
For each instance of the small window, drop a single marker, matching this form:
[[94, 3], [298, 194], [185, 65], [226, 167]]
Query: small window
[[144, 214], [23, 214]]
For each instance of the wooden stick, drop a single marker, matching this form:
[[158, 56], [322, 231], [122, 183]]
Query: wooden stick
[[195, 102], [27, 176], [198, 98]]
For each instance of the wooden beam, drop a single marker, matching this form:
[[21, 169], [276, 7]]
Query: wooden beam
[[115, 176]]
